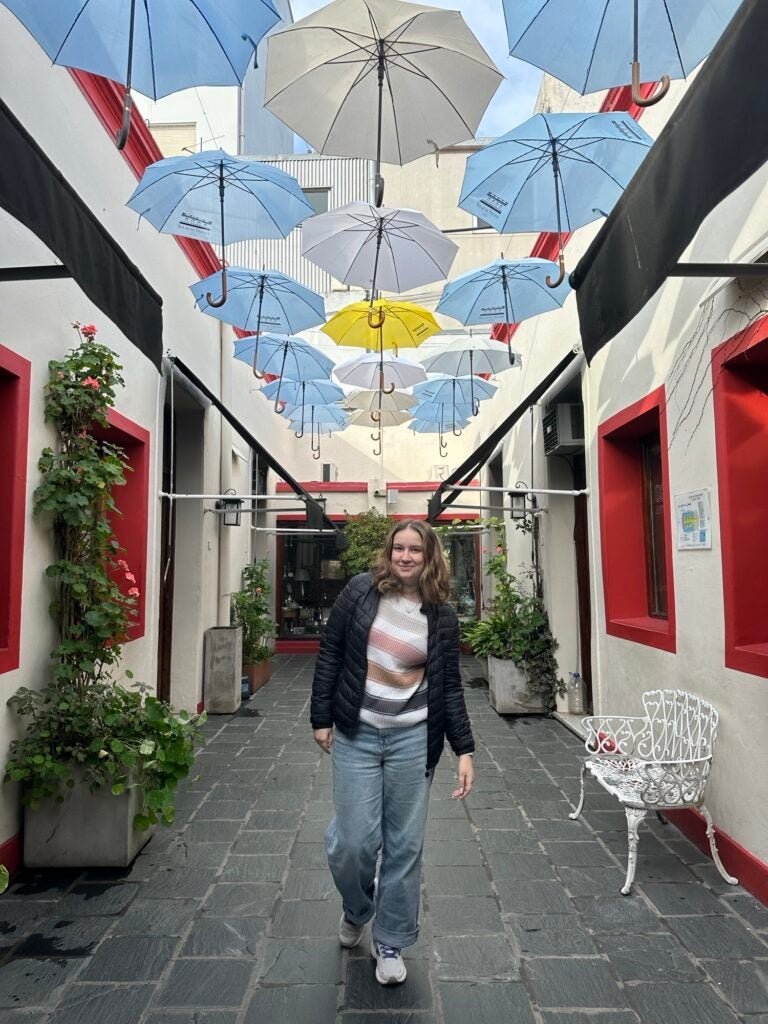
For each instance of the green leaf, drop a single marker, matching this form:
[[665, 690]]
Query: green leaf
[[118, 788]]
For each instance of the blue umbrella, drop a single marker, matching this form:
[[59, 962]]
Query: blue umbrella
[[555, 172], [427, 411], [292, 358], [323, 419], [262, 299], [455, 392], [185, 195], [595, 44], [438, 426], [505, 291], [302, 392], [153, 46]]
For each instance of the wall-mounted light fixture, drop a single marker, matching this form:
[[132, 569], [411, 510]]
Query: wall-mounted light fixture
[[231, 508], [521, 502]]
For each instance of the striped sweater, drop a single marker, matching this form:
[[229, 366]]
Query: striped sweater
[[395, 685]]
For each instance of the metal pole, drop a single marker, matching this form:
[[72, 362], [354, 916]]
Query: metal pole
[[240, 497], [513, 490]]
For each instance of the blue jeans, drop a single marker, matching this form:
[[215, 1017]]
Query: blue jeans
[[381, 793]]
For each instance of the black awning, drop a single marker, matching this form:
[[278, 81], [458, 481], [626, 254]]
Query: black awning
[[471, 465], [715, 139], [34, 191], [316, 517]]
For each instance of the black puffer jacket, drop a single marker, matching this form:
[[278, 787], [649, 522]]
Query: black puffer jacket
[[342, 664]]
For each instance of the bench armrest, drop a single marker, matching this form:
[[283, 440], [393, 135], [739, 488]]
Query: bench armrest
[[613, 735], [673, 783]]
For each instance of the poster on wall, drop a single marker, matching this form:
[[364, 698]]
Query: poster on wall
[[694, 521]]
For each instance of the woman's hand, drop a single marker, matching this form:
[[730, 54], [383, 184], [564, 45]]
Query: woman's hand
[[466, 774], [324, 739]]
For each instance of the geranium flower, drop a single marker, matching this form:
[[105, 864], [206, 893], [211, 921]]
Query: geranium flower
[[92, 382], [122, 563], [133, 592], [89, 329], [59, 375], [130, 577]]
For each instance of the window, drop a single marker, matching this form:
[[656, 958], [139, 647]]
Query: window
[[14, 430], [740, 391], [318, 198], [635, 524], [478, 222]]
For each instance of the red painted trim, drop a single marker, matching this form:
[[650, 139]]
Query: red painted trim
[[200, 707], [141, 150], [546, 245], [15, 374], [10, 853], [329, 485], [751, 872], [740, 383], [297, 646], [622, 528], [131, 527]]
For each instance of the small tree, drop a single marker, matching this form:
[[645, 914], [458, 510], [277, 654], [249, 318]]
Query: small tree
[[250, 608], [366, 534]]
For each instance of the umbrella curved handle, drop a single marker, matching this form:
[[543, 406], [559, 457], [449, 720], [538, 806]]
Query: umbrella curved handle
[[376, 324], [443, 447], [550, 284], [299, 433], [122, 133], [378, 440], [376, 417], [376, 436], [456, 433], [476, 408], [647, 101], [216, 303], [382, 389], [316, 455]]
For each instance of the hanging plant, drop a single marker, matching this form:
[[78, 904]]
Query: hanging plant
[[366, 534]]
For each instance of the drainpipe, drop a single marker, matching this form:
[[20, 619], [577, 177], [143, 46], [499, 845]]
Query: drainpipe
[[227, 534]]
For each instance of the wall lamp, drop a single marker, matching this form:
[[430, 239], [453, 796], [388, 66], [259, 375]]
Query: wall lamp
[[230, 508]]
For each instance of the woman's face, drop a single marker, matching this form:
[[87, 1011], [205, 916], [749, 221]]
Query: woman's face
[[408, 556]]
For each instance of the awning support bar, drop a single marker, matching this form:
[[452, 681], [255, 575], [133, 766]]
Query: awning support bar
[[719, 270], [49, 273]]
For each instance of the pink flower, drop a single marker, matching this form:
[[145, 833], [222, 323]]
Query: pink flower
[[258, 590], [130, 577], [92, 382], [123, 564], [133, 592], [89, 330], [499, 550], [59, 375]]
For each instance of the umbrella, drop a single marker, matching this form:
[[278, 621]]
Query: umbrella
[[555, 172], [375, 402], [374, 247], [185, 195], [373, 371], [324, 415], [425, 411], [419, 68], [321, 422], [455, 392], [505, 291], [438, 426], [466, 355], [291, 358], [153, 46], [386, 418], [593, 44], [302, 392], [262, 299]]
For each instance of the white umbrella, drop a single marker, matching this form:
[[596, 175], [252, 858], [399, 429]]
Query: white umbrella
[[375, 400], [466, 354], [383, 419], [366, 372], [378, 247], [379, 79]]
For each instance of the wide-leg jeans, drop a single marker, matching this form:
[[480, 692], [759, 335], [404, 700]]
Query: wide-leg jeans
[[381, 794]]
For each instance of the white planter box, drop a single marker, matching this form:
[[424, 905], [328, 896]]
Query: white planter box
[[87, 830], [223, 669], [508, 688]]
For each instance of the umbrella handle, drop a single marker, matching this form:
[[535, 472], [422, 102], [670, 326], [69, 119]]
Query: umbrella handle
[[443, 446], [550, 284], [456, 433], [216, 303], [316, 454], [299, 433], [376, 417], [384, 390], [476, 407], [376, 325], [122, 133], [637, 96], [378, 441]]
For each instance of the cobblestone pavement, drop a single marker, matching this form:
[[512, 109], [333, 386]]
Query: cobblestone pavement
[[230, 917]]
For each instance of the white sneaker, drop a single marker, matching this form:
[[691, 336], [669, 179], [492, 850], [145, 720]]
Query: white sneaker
[[350, 934], [390, 969]]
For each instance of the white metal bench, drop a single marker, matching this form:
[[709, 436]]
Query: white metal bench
[[660, 761]]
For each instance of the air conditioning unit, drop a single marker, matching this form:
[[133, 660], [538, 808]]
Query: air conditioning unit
[[438, 472], [564, 428], [330, 472]]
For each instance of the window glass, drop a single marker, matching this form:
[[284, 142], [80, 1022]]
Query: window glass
[[318, 198], [654, 520]]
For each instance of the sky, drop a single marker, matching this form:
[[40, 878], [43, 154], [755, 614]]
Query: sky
[[215, 110]]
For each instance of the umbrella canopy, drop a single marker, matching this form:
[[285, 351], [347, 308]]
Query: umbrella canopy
[[262, 300], [373, 401], [379, 79], [153, 46], [505, 291], [466, 355], [433, 412], [361, 418], [378, 247], [217, 197], [439, 426], [456, 392], [555, 172], [400, 325], [321, 414], [597, 44], [302, 393], [366, 372], [291, 358]]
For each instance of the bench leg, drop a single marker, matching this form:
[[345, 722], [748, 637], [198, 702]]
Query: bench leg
[[574, 814], [713, 847], [634, 816]]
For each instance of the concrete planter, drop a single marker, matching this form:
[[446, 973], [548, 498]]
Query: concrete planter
[[259, 673], [508, 687], [86, 830], [223, 669]]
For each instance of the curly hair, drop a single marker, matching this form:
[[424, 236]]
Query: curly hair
[[434, 582]]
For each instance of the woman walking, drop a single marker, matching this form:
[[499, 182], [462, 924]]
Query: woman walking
[[386, 693]]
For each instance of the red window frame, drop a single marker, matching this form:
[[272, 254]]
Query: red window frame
[[15, 373], [622, 526], [131, 527], [740, 395]]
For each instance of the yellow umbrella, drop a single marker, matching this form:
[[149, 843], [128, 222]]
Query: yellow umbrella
[[384, 323]]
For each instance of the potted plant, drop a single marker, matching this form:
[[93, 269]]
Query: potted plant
[[250, 609], [365, 534], [98, 761], [518, 643]]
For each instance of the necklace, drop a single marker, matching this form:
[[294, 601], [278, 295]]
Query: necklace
[[407, 605]]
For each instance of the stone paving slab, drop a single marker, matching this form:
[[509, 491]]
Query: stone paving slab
[[231, 917]]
